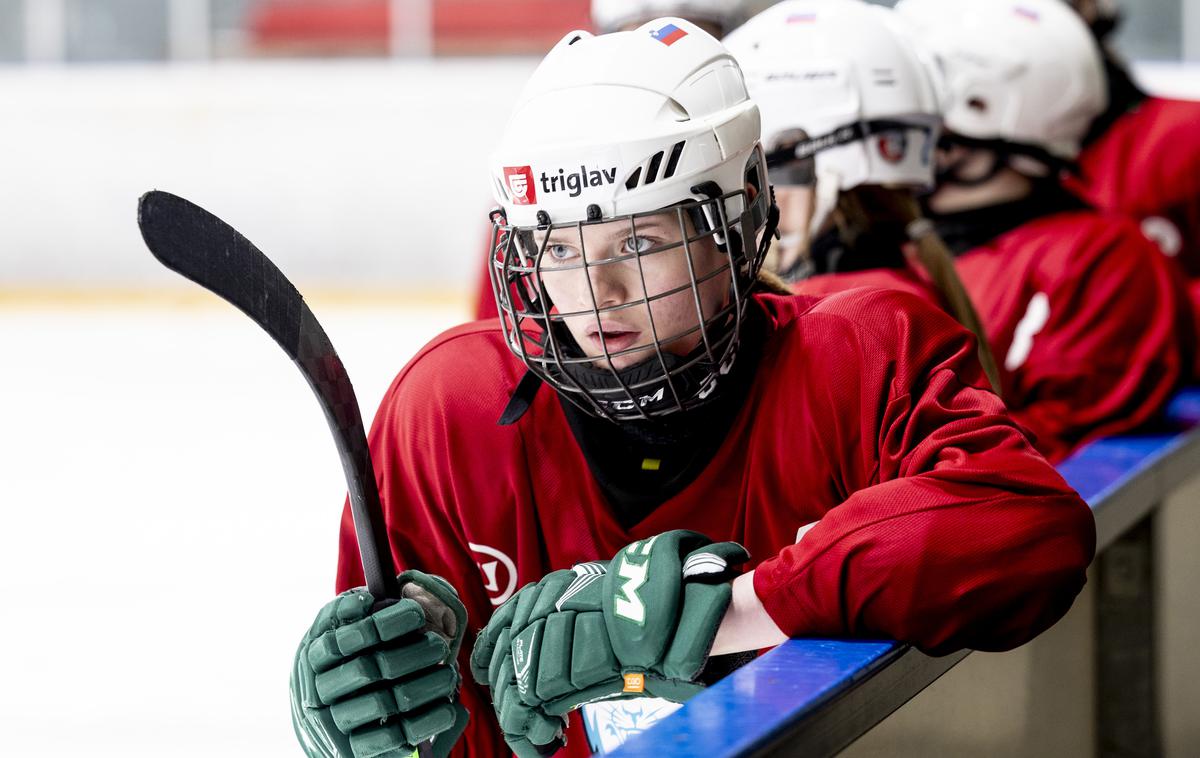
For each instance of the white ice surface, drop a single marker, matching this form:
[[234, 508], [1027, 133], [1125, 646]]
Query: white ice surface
[[169, 503]]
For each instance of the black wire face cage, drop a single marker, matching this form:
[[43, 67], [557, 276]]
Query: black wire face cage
[[663, 382]]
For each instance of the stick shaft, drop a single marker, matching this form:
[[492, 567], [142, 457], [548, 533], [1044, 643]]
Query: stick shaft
[[201, 247]]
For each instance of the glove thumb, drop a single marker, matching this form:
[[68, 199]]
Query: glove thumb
[[443, 609], [715, 563]]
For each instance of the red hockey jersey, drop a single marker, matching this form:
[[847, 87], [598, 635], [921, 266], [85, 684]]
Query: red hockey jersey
[[1089, 324], [1147, 165], [935, 520]]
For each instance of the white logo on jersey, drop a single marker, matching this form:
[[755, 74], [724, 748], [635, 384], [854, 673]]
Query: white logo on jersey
[[1034, 320], [803, 531], [628, 605], [1163, 233], [499, 585]]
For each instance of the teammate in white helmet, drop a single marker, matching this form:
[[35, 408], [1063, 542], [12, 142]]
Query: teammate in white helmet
[[717, 17], [1088, 322], [850, 121], [1141, 157], [646, 381]]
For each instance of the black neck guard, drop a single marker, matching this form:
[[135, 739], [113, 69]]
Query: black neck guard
[[641, 464]]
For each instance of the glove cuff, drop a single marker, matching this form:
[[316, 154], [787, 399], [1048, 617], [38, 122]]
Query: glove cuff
[[704, 607]]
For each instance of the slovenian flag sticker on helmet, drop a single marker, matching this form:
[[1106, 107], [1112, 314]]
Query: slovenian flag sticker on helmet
[[1032, 15], [802, 18], [669, 34]]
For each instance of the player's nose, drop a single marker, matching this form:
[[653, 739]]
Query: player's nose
[[607, 281]]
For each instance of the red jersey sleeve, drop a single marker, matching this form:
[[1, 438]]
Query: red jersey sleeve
[[957, 533], [1100, 351]]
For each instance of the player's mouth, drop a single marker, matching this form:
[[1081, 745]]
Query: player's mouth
[[613, 337]]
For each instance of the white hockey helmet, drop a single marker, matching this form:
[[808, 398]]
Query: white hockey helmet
[[840, 76], [609, 128], [1027, 73], [613, 15]]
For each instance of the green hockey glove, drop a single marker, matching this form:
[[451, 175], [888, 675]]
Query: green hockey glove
[[663, 600], [639, 625], [367, 684], [528, 729]]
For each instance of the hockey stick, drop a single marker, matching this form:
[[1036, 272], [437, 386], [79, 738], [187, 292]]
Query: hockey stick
[[191, 241]]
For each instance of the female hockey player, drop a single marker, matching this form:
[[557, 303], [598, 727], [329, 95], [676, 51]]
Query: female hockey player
[[644, 383], [1087, 321], [1141, 157], [717, 17], [850, 118]]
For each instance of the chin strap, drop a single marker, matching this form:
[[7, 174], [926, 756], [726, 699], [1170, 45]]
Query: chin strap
[[1003, 151], [521, 399]]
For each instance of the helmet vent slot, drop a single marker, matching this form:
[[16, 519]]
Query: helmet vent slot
[[673, 161], [652, 169], [634, 178], [653, 165]]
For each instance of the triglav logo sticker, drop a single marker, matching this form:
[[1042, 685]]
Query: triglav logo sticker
[[520, 183], [524, 187], [576, 183]]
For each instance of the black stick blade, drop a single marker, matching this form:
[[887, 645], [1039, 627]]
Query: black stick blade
[[195, 243]]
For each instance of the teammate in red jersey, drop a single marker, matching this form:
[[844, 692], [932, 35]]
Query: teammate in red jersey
[[717, 17], [848, 442], [1142, 157], [1089, 325]]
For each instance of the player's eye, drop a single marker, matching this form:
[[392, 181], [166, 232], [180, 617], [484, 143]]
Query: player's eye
[[560, 252], [638, 244]]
